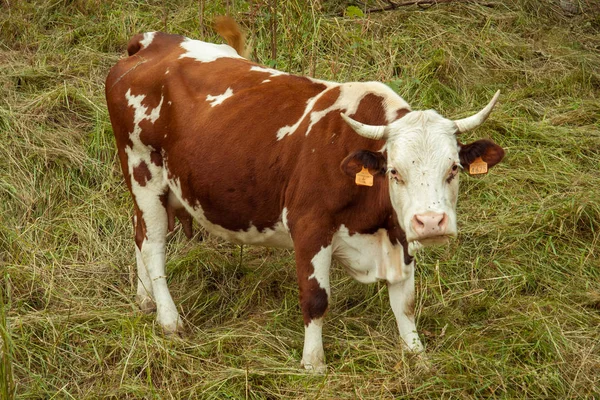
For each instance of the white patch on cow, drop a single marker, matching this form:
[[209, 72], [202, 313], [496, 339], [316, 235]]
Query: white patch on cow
[[370, 257], [321, 263], [276, 236], [348, 100], [169, 102], [266, 81], [270, 71], [401, 294], [313, 356], [422, 148], [218, 99], [148, 38], [167, 71], [284, 218], [140, 111], [206, 52], [288, 130]]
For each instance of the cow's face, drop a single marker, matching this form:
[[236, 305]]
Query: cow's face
[[422, 159]]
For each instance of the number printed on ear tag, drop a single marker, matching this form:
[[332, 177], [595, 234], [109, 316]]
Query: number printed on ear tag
[[364, 178], [478, 167]]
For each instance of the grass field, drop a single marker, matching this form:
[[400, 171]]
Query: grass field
[[509, 309]]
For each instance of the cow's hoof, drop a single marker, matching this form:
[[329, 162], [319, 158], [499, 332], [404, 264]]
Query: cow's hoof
[[174, 330], [146, 304], [314, 368], [171, 326]]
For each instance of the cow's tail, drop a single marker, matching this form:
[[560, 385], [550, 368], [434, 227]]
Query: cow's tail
[[233, 34]]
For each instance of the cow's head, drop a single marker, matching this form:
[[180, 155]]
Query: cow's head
[[422, 158]]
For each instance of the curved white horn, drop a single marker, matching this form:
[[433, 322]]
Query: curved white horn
[[374, 132], [472, 122]]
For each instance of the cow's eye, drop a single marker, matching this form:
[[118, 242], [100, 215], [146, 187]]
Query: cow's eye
[[395, 175], [453, 173]]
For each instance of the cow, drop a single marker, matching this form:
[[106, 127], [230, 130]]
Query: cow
[[344, 171]]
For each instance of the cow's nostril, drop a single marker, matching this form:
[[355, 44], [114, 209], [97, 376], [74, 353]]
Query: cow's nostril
[[443, 220]]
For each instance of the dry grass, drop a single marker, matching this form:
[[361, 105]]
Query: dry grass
[[511, 309]]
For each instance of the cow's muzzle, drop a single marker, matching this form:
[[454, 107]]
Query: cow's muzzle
[[430, 228]]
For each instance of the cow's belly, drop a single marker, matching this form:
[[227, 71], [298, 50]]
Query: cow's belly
[[276, 236]]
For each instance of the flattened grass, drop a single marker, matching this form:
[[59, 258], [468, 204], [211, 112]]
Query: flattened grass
[[510, 309]]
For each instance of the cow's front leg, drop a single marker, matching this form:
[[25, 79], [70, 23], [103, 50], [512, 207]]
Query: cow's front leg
[[402, 300], [312, 265]]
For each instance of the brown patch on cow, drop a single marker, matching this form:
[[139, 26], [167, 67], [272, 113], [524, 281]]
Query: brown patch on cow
[[397, 235], [139, 228], [401, 113], [327, 99], [313, 301], [156, 158], [182, 215], [142, 174], [186, 222], [371, 108]]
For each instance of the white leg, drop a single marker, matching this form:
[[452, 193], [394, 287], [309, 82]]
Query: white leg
[[144, 285], [314, 295], [313, 355], [153, 254], [402, 300]]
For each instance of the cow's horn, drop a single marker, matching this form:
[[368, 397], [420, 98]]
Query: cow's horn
[[472, 122], [375, 132]]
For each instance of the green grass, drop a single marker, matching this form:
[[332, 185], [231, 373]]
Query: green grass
[[510, 309]]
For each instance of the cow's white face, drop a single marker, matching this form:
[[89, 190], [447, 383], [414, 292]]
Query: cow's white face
[[422, 158], [422, 165]]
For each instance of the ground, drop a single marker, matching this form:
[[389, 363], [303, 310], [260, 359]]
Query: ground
[[509, 309]]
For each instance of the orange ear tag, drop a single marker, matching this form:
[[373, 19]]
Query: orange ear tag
[[478, 167], [364, 178]]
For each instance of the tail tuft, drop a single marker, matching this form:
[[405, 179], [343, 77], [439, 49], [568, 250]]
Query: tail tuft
[[232, 33]]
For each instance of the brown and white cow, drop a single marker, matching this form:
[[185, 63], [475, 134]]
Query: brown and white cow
[[259, 156]]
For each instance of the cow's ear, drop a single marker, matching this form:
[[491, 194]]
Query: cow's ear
[[375, 162], [489, 152]]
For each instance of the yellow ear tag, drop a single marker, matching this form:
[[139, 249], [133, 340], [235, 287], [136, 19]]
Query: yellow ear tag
[[364, 178], [478, 167]]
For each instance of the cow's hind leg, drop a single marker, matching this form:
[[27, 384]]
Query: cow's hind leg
[[144, 297], [150, 196]]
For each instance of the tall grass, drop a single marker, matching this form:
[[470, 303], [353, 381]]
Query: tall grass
[[510, 309]]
